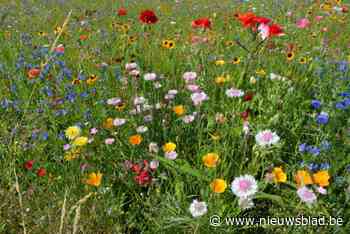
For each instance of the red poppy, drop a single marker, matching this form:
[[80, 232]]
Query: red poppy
[[275, 30], [136, 168], [248, 96], [41, 172], [201, 23], [29, 164], [33, 73], [250, 20], [122, 11], [148, 17], [143, 178]]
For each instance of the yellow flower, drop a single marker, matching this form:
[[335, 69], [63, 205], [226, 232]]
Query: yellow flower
[[236, 60], [92, 80], [168, 44], [135, 139], [220, 62], [94, 179], [321, 178], [57, 30], [210, 160], [218, 185], [179, 110], [220, 80], [290, 56], [73, 154], [169, 147], [303, 178], [302, 60], [72, 132], [229, 43], [80, 141], [279, 175], [108, 123]]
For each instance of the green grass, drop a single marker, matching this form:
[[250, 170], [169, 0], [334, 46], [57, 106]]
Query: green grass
[[51, 203]]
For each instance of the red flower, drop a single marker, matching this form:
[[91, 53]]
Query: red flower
[[250, 20], [148, 17], [41, 172], [122, 11], [143, 178], [59, 49], [275, 30], [29, 164], [136, 168], [201, 23], [248, 96], [33, 73], [245, 114]]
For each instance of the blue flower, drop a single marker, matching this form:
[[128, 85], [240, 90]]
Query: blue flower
[[340, 105], [322, 118], [315, 104], [324, 166], [302, 147], [313, 150]]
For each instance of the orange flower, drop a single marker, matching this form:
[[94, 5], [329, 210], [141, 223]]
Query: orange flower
[[135, 139], [303, 178], [279, 175], [94, 179], [83, 37], [218, 185], [210, 159], [321, 178], [179, 110]]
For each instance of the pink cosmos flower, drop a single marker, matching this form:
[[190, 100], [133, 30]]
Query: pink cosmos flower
[[198, 98], [109, 141], [193, 88], [189, 76], [150, 76], [266, 138], [232, 92], [171, 155], [303, 23], [306, 195]]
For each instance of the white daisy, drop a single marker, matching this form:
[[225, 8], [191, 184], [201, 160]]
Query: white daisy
[[198, 208], [244, 186]]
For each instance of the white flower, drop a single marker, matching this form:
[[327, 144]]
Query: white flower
[[198, 208], [139, 100], [232, 92], [150, 76], [114, 101], [153, 147], [172, 92], [266, 138], [130, 66], [142, 129], [172, 155], [119, 122], [244, 186]]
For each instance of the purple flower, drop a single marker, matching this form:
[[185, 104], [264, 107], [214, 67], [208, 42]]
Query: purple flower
[[302, 147], [322, 118], [306, 195], [315, 104]]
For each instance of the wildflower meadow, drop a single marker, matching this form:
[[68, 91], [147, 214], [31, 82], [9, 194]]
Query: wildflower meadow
[[174, 116]]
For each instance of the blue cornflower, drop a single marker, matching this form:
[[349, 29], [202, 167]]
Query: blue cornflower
[[322, 118], [342, 66], [313, 150], [340, 105], [324, 166], [313, 166], [45, 136], [302, 147], [315, 104]]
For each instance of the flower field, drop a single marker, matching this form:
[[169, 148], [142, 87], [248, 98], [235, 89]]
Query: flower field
[[174, 116]]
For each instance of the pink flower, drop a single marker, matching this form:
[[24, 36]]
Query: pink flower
[[66, 147], [232, 92], [198, 98], [150, 76], [244, 186], [93, 131], [321, 190], [189, 76], [306, 195], [193, 88], [318, 18], [109, 141], [303, 23], [114, 101]]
